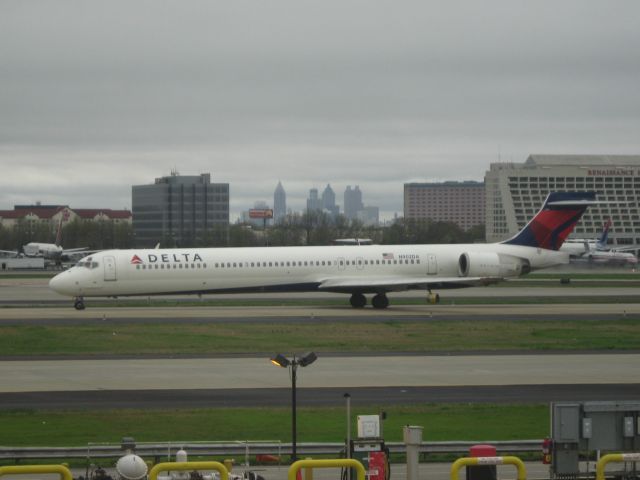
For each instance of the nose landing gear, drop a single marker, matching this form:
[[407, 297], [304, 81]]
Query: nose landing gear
[[78, 303]]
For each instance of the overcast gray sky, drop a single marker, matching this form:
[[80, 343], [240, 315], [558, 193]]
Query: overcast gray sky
[[98, 96]]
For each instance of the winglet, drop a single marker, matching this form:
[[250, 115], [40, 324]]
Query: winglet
[[555, 220]]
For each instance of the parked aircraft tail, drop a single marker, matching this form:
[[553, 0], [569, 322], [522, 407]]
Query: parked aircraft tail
[[555, 220], [601, 244]]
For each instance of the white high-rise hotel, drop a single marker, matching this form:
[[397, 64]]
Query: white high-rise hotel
[[514, 192]]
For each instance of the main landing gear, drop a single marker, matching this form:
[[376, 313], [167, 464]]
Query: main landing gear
[[78, 303], [358, 300], [433, 298]]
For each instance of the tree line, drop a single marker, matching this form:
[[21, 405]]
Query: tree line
[[310, 228]]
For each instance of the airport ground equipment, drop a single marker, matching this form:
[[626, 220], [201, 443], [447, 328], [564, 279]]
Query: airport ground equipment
[[470, 461], [614, 457], [369, 448], [345, 463], [64, 472], [584, 430]]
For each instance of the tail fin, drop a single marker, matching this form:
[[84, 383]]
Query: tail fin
[[601, 244], [555, 220], [59, 233]]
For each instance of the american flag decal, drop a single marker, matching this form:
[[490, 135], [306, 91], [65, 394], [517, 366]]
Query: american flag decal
[[387, 256]]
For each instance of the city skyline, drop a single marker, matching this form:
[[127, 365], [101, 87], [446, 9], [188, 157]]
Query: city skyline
[[94, 102]]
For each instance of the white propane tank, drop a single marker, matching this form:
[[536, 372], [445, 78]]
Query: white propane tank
[[181, 455], [131, 467]]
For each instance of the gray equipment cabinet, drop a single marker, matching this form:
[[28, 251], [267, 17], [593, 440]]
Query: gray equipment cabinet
[[582, 430]]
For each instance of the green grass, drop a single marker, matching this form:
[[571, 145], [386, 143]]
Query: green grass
[[322, 336], [441, 422]]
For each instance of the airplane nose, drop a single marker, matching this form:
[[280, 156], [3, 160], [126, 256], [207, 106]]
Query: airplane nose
[[62, 284]]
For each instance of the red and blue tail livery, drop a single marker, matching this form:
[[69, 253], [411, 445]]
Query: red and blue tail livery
[[555, 221]]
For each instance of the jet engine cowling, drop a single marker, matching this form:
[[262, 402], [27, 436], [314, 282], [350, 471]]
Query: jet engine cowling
[[489, 264]]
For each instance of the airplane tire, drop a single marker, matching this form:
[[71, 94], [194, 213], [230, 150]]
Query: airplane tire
[[78, 305], [433, 298], [380, 301], [358, 300]]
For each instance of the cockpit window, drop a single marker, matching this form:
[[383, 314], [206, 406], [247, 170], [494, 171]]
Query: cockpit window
[[87, 264]]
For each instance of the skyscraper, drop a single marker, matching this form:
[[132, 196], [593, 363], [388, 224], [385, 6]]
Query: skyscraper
[[329, 201], [279, 203], [352, 202], [313, 202]]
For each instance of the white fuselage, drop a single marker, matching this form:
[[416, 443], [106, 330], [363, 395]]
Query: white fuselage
[[46, 250], [374, 268]]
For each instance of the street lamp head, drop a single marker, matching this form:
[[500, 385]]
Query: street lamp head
[[307, 359], [280, 361]]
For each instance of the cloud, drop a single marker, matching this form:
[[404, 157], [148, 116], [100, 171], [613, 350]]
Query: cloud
[[95, 97]]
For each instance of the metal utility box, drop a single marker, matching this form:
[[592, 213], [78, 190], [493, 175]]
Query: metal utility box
[[582, 429], [368, 426]]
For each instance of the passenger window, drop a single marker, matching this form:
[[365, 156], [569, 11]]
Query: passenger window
[[234, 264], [329, 263], [270, 264], [323, 263], [412, 262], [228, 264], [180, 266]]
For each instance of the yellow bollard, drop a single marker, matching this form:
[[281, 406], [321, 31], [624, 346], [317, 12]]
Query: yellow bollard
[[188, 466], [342, 462], [308, 472], [64, 472], [614, 457], [469, 461]]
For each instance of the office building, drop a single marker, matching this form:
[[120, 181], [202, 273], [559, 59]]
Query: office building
[[313, 202], [180, 210], [279, 203], [352, 202], [329, 201], [462, 203], [515, 192]]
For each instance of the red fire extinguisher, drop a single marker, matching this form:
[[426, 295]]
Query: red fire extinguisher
[[547, 444]]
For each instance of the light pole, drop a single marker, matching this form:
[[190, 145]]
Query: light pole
[[282, 361]]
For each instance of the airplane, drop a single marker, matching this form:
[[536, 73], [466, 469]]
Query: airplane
[[368, 269], [598, 252], [49, 251]]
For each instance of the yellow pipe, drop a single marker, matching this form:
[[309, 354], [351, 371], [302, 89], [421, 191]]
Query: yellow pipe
[[342, 462], [614, 457], [470, 461], [188, 466], [64, 472]]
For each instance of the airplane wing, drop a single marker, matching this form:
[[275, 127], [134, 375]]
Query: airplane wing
[[395, 283], [10, 252]]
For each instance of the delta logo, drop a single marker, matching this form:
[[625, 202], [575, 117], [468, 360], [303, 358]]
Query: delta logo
[[167, 258]]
